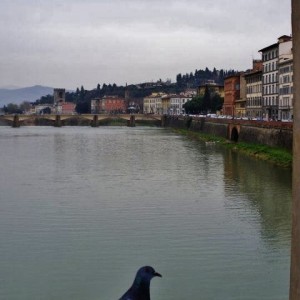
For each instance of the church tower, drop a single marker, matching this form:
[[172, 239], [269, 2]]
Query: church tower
[[59, 96]]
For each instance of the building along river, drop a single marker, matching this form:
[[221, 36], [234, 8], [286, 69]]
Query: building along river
[[81, 209]]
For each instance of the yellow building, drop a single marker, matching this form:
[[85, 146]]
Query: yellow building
[[213, 88], [173, 104], [166, 100], [153, 104]]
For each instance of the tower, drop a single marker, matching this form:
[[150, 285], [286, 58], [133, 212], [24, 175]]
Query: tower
[[59, 96]]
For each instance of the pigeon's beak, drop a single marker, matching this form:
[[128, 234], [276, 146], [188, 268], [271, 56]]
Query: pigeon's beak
[[157, 274]]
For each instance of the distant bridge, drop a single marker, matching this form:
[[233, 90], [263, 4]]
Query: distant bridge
[[57, 120], [272, 133]]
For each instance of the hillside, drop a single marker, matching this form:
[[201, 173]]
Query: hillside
[[19, 95]]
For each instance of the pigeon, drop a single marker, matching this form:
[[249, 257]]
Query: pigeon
[[140, 289]]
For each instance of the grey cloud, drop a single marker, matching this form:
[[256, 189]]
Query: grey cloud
[[139, 38]]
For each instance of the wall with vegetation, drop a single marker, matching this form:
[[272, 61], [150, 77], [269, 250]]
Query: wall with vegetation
[[259, 134], [273, 137]]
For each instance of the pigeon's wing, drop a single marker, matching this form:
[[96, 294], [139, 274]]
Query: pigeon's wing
[[127, 296]]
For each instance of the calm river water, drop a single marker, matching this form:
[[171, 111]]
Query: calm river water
[[81, 209]]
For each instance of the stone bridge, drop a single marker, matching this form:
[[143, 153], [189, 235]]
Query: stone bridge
[[57, 120], [272, 133]]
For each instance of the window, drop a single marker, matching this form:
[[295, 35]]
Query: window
[[286, 79], [285, 90]]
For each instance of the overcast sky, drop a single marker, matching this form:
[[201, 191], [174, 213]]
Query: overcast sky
[[72, 43]]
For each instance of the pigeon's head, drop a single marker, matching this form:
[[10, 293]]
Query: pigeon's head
[[145, 274]]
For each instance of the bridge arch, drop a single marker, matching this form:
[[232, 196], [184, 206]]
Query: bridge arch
[[233, 132], [234, 136]]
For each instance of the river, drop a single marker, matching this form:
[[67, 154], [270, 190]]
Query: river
[[81, 209]]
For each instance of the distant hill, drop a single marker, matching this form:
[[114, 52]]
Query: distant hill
[[19, 95]]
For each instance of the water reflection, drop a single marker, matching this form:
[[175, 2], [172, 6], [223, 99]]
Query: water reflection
[[81, 208], [265, 189]]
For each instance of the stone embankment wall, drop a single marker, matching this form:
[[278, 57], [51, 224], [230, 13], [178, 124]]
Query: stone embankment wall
[[274, 134], [273, 137]]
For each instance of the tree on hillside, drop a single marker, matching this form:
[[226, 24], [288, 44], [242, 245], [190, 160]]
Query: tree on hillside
[[194, 106], [25, 106], [206, 100], [82, 93], [98, 90], [212, 102], [45, 100], [83, 107], [70, 97], [179, 78], [216, 103], [12, 108], [204, 104]]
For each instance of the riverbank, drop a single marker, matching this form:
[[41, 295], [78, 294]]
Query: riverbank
[[277, 156]]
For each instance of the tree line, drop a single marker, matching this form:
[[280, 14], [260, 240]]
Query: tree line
[[82, 97], [208, 103], [200, 77]]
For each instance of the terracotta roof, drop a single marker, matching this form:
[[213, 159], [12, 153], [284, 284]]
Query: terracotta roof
[[268, 47], [252, 72]]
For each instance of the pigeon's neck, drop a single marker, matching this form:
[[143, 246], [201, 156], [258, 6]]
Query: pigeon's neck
[[142, 288], [138, 283]]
